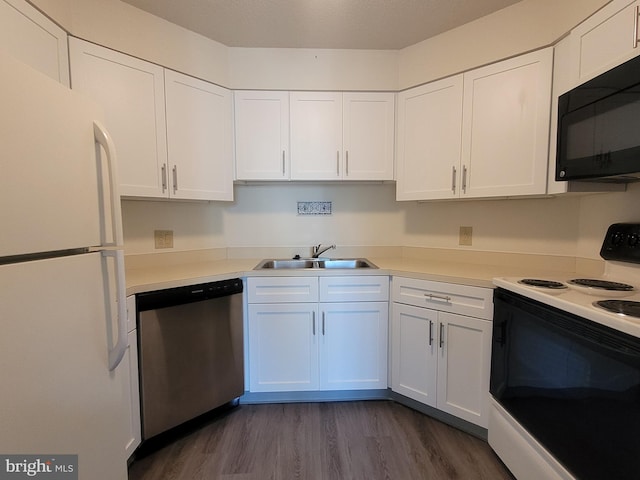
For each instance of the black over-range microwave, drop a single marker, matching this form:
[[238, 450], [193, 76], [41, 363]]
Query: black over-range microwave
[[599, 128]]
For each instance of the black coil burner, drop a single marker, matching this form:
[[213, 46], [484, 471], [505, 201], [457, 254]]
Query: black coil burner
[[536, 282], [602, 284], [621, 307]]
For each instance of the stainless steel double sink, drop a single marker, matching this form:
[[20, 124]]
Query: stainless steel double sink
[[315, 263]]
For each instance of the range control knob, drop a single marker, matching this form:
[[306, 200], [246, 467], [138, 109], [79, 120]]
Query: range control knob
[[634, 239], [617, 239]]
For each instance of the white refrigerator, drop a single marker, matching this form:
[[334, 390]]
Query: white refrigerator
[[62, 292]]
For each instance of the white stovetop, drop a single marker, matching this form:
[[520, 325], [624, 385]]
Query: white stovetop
[[579, 301]]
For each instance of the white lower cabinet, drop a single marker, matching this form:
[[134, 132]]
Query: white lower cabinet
[[129, 372], [298, 342], [283, 347], [442, 358], [353, 345]]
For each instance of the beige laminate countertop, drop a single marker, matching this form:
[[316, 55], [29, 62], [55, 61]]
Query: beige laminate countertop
[[145, 279]]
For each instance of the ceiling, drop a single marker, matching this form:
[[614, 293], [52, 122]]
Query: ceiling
[[357, 24]]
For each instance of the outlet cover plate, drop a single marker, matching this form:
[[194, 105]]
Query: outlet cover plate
[[466, 236], [163, 238]]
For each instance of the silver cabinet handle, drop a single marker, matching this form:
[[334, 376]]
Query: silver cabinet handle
[[346, 163], [323, 323], [430, 333], [175, 178], [338, 162], [453, 179], [283, 172], [431, 296], [464, 179], [164, 177], [313, 323], [635, 27], [441, 335]]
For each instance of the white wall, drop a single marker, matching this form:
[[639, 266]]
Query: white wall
[[120, 26], [524, 26], [266, 216], [543, 226], [597, 212], [313, 69], [196, 225], [363, 215]]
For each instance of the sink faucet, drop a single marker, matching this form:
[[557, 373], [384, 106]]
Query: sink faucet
[[317, 250]]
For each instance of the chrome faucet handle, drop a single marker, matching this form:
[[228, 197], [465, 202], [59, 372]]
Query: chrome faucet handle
[[317, 250]]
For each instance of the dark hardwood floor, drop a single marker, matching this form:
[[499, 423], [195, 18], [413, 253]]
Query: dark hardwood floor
[[315, 441]]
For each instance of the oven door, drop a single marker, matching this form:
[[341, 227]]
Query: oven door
[[572, 384]]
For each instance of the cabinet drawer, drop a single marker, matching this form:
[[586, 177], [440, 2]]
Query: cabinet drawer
[[360, 288], [282, 289], [446, 297]]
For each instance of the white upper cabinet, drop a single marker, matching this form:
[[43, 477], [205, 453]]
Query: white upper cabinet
[[316, 135], [505, 127], [605, 40], [32, 38], [131, 92], [342, 136], [368, 121], [199, 138], [262, 135], [429, 140], [174, 147], [481, 134]]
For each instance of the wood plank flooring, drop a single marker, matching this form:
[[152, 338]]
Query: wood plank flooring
[[366, 440]]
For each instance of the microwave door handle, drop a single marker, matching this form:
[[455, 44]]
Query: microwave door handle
[[103, 138]]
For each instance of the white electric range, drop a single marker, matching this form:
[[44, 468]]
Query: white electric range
[[612, 299], [565, 369]]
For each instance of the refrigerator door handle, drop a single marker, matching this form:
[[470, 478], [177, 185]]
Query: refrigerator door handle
[[104, 139], [116, 353]]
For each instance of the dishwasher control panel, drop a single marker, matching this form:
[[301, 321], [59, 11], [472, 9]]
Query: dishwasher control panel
[[187, 294]]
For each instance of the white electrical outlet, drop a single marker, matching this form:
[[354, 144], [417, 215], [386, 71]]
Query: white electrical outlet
[[163, 238], [466, 236]]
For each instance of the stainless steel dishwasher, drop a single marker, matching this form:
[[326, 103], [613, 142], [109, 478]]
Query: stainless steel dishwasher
[[190, 352]]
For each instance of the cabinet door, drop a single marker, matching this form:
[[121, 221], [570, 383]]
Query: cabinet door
[[429, 141], [505, 133], [283, 347], [32, 38], [464, 358], [413, 353], [261, 135], [131, 387], [605, 40], [353, 345], [131, 93], [368, 133], [316, 135], [131, 391], [199, 138]]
